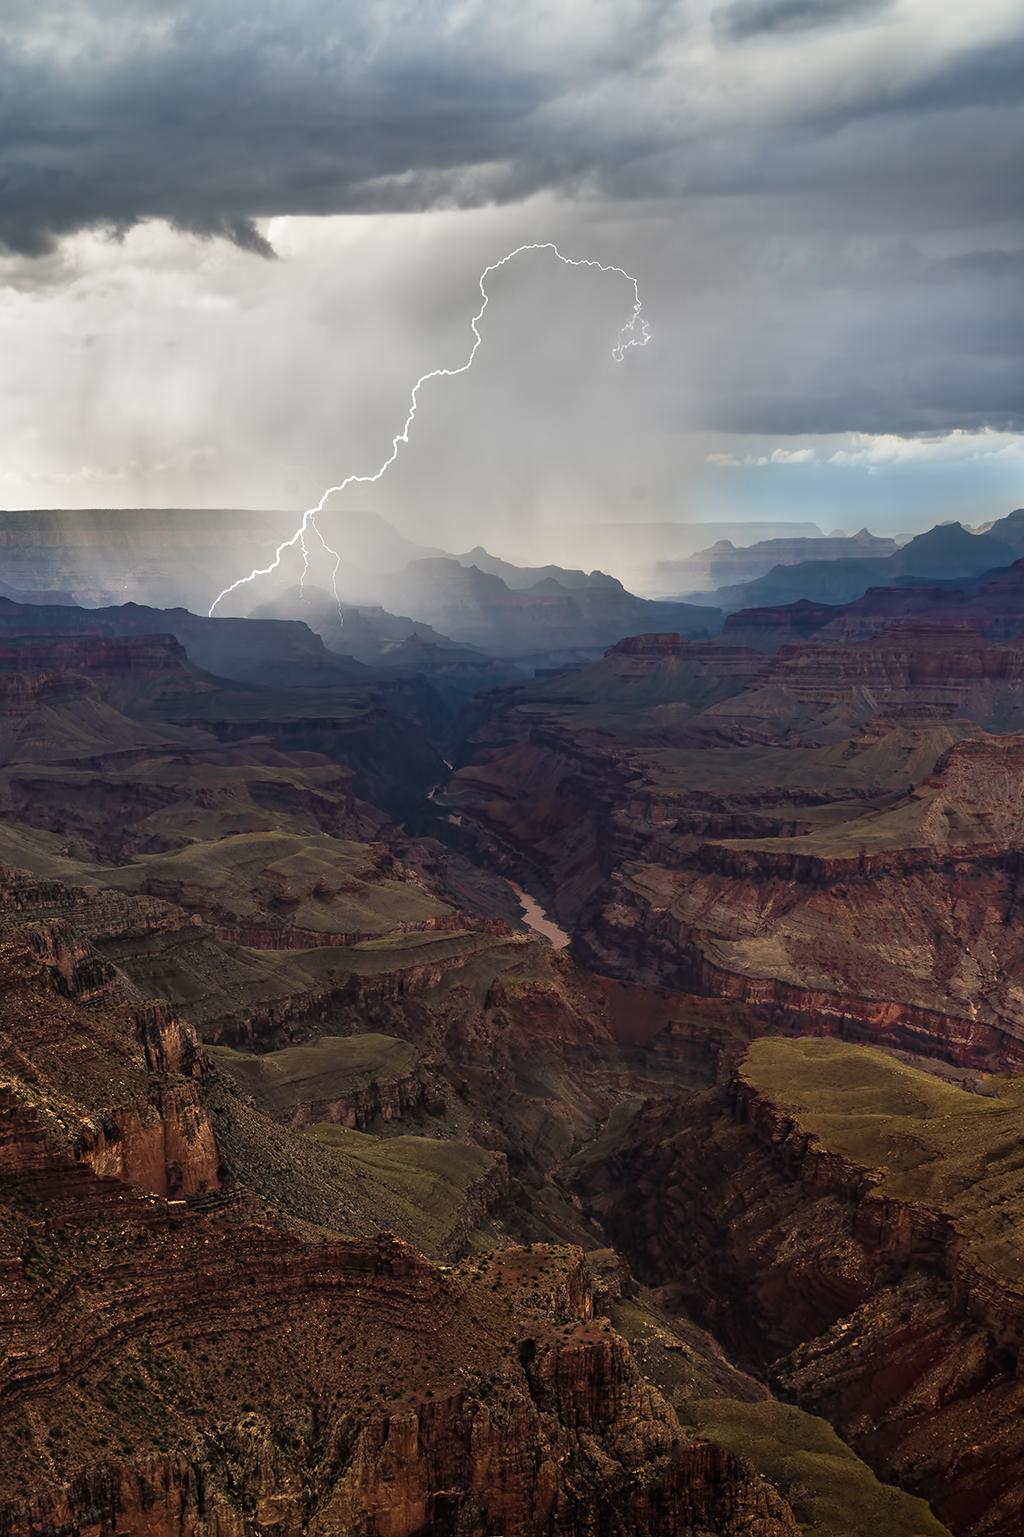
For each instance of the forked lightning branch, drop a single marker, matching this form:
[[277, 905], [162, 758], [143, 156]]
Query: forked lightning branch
[[634, 333]]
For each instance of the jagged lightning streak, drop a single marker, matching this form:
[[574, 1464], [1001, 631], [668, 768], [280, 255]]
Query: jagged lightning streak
[[634, 333]]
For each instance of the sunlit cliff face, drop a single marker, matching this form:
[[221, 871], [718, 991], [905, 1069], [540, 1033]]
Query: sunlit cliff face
[[815, 200]]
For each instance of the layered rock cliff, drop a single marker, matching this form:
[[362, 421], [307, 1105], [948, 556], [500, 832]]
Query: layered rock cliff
[[114, 1083], [881, 1295], [901, 924], [392, 1397], [829, 836]]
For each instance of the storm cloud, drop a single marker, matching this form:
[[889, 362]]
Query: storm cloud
[[215, 117], [820, 199]]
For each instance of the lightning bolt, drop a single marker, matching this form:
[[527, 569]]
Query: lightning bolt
[[634, 333]]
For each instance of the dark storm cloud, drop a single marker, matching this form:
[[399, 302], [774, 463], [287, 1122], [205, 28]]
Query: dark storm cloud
[[239, 112], [214, 116], [861, 156]]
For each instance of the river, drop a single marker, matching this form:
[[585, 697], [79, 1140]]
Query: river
[[537, 919]]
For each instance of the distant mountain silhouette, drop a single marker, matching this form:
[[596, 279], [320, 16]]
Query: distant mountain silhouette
[[519, 577], [724, 564], [945, 552], [992, 606]]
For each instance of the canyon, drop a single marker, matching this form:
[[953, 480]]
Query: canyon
[[333, 1198]]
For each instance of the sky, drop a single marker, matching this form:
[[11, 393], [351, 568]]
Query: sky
[[232, 236]]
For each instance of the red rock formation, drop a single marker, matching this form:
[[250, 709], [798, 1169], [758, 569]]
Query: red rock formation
[[996, 610], [874, 1311], [22, 693], [165, 1146], [557, 1434], [358, 1107], [766, 629], [114, 665], [827, 933], [114, 1081], [654, 646]]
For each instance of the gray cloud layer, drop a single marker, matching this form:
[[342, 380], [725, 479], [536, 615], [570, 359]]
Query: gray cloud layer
[[831, 120], [746, 18], [213, 116]]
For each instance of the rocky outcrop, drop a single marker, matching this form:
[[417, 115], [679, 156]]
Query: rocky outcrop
[[165, 1146], [888, 1229], [104, 1079], [240, 1480], [710, 1489], [158, 1137], [391, 1100], [23, 692], [662, 954], [60, 935], [707, 1490], [519, 1415], [365, 991], [69, 963]]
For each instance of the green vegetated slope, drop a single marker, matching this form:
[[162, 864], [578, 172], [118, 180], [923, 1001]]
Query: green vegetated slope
[[213, 981], [424, 1187], [329, 1068], [411, 1170], [163, 804], [862, 762], [311, 881], [832, 1493], [69, 722], [207, 980], [976, 802], [959, 1152], [429, 1179], [435, 1193], [42, 852]]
